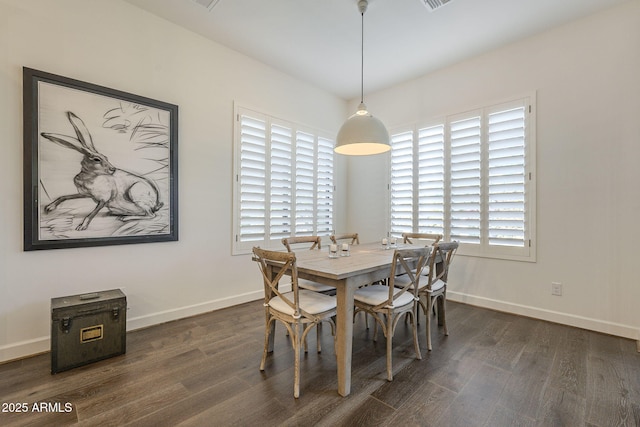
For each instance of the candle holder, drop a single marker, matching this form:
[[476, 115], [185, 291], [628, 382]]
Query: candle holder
[[345, 250], [333, 251], [385, 243]]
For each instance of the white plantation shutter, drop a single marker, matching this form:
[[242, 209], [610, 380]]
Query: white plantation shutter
[[465, 180], [431, 180], [305, 184], [506, 177], [401, 183], [469, 177], [324, 181], [252, 214], [283, 182]]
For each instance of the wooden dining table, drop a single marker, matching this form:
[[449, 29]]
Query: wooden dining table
[[367, 263]]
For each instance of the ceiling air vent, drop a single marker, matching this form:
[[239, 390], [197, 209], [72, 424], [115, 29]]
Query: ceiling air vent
[[434, 4], [209, 4]]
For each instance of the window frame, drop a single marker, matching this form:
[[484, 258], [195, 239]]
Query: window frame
[[322, 190], [527, 252]]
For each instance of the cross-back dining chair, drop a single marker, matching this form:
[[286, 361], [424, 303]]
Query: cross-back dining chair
[[351, 237], [316, 244], [303, 242], [434, 289], [427, 238], [316, 241], [298, 310], [388, 303]]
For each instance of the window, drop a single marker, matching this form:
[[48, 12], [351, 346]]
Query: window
[[469, 177], [283, 182]]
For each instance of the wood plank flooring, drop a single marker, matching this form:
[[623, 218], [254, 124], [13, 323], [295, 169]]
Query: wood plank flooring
[[494, 369]]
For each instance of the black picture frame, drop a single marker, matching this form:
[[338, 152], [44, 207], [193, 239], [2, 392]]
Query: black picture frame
[[100, 165]]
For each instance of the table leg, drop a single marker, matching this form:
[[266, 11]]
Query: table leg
[[344, 337]]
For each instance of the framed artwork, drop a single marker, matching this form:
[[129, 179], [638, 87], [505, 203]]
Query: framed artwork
[[100, 165]]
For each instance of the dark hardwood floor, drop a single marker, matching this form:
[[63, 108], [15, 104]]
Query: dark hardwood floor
[[494, 369]]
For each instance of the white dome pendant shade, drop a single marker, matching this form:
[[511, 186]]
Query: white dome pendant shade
[[362, 134]]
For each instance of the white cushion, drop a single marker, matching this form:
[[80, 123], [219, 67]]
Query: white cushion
[[437, 285], [425, 271], [377, 294], [314, 286], [402, 281], [311, 302]]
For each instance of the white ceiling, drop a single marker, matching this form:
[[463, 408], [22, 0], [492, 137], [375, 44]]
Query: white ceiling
[[318, 41]]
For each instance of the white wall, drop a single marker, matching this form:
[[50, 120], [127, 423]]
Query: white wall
[[585, 75], [117, 45], [588, 144]]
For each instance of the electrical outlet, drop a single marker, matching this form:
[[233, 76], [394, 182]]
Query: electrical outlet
[[556, 288]]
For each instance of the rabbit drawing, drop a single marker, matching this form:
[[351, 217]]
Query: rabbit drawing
[[123, 193]]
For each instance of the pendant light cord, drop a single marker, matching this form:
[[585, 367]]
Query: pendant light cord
[[362, 60]]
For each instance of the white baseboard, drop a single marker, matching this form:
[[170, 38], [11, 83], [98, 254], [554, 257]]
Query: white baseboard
[[39, 345], [596, 325], [191, 310], [24, 349]]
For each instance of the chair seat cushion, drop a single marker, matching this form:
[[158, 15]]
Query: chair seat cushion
[[436, 286], [311, 302], [377, 294], [425, 271], [314, 286]]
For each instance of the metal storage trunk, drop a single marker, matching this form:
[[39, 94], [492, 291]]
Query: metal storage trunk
[[87, 328]]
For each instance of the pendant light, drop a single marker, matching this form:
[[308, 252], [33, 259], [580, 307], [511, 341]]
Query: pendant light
[[362, 134]]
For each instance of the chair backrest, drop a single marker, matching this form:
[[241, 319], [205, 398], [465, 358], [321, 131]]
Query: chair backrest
[[314, 240], [335, 238], [431, 238], [443, 252], [447, 252], [273, 265], [410, 261]]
